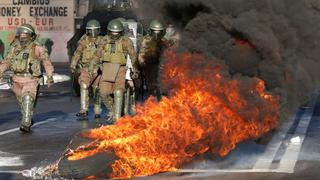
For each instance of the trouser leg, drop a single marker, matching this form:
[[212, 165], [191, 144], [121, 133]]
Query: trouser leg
[[108, 102]]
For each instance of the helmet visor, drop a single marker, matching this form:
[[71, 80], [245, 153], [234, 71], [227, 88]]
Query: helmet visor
[[25, 30], [93, 31], [157, 34], [23, 34]]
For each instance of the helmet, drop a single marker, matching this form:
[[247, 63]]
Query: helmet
[[123, 22], [156, 25], [131, 20], [93, 28], [115, 26], [157, 29], [121, 19], [26, 29]]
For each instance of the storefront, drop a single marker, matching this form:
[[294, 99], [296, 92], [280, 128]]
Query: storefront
[[52, 19]]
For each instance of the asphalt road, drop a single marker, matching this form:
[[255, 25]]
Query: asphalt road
[[292, 153]]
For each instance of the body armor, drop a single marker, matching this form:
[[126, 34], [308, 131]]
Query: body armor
[[96, 102], [27, 103], [113, 52], [88, 57], [118, 104], [84, 98], [24, 63]]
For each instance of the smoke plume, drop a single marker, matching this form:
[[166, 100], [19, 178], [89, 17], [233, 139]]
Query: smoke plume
[[275, 40]]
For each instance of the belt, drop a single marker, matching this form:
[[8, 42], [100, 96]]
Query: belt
[[26, 75], [113, 63], [23, 74]]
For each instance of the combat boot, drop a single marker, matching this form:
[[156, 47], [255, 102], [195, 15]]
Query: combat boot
[[84, 101], [27, 103]]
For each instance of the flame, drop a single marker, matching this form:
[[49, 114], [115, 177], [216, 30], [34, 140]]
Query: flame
[[206, 110], [242, 42]]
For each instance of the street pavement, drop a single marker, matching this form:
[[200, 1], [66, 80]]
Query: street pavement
[[293, 151]]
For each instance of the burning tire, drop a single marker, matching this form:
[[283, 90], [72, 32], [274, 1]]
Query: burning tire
[[98, 165]]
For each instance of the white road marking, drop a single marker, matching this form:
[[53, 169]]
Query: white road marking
[[57, 78], [225, 170], [9, 160], [4, 86], [290, 157], [11, 172], [265, 160], [36, 124]]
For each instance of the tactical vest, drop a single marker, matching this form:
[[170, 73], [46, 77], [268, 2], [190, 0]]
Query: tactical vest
[[23, 61], [89, 51], [114, 53]]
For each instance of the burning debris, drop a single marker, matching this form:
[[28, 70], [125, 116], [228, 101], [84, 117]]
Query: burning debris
[[207, 111]]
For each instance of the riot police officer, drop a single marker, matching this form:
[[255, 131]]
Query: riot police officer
[[113, 51], [88, 64], [24, 59], [151, 49]]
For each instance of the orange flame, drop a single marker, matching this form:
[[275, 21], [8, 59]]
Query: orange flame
[[242, 42], [206, 111]]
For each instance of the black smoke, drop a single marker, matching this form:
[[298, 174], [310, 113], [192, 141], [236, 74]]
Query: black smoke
[[275, 40]]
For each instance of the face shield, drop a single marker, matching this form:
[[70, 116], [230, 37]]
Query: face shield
[[157, 34], [24, 34], [93, 31]]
